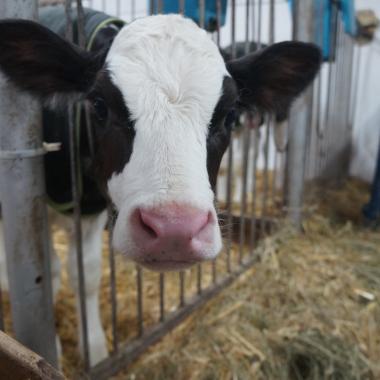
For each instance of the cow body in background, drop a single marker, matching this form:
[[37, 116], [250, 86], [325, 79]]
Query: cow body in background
[[160, 100]]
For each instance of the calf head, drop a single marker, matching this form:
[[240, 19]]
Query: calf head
[[162, 100]]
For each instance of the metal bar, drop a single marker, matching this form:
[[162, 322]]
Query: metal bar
[[74, 150], [181, 6], [271, 22], [181, 288], [247, 14], [246, 147], [351, 90], [151, 6], [229, 206], [24, 211], [218, 6], [2, 327], [303, 30], [201, 5], [140, 316], [331, 92], [162, 296], [118, 8], [256, 141], [160, 6], [259, 15], [253, 20], [355, 91], [264, 201], [199, 278], [115, 338], [81, 33], [130, 352], [230, 149], [133, 9], [214, 271]]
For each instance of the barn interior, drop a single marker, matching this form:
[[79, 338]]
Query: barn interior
[[295, 293]]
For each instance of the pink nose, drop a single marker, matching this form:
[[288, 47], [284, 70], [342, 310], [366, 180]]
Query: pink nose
[[172, 236]]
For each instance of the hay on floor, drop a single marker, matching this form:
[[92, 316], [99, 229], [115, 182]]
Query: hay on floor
[[310, 309]]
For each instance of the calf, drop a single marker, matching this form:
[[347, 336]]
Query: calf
[[160, 99]]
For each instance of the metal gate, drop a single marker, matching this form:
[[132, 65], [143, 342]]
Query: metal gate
[[261, 180]]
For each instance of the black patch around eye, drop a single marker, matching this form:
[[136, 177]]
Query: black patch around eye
[[100, 108]]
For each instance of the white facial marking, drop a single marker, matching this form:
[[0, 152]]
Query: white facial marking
[[170, 74]]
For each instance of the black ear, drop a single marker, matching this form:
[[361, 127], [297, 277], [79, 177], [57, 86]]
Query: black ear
[[42, 63], [271, 79]]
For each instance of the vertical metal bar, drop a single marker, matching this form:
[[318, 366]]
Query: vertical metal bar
[[350, 76], [1, 311], [218, 8], [181, 6], [103, 5], [218, 20], [256, 144], [269, 120], [201, 5], [74, 149], [233, 29], [140, 316], [118, 8], [199, 279], [246, 147], [133, 9], [115, 338], [151, 6], [160, 6], [181, 288], [214, 271], [24, 211], [355, 91], [247, 14], [230, 152], [271, 41], [264, 201], [253, 21], [260, 8], [300, 116], [162, 296], [333, 123]]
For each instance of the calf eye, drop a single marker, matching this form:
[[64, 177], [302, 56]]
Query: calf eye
[[100, 108]]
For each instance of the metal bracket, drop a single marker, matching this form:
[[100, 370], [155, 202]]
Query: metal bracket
[[29, 153]]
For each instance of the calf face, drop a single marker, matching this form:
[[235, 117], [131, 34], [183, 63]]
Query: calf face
[[162, 100]]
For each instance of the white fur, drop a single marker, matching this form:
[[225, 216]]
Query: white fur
[[170, 74]]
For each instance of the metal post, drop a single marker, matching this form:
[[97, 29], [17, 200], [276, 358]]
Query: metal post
[[299, 120], [24, 209]]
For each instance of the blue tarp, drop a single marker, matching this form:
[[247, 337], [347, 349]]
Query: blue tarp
[[192, 11]]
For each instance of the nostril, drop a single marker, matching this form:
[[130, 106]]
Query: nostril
[[203, 222], [146, 225]]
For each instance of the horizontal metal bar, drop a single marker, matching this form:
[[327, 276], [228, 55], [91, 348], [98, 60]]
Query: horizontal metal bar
[[129, 353]]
